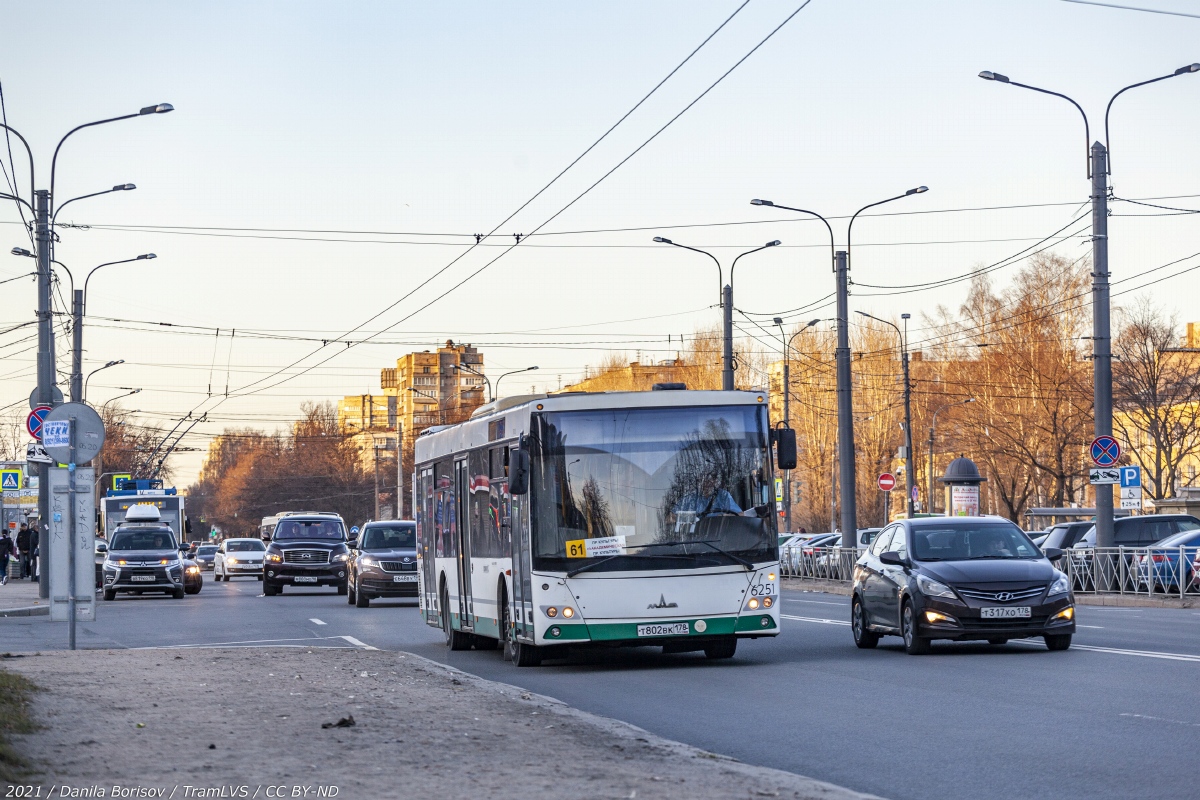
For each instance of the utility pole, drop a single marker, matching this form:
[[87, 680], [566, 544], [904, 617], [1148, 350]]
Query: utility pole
[[77, 346], [845, 425], [45, 377], [910, 461], [1101, 334], [375, 449], [727, 343]]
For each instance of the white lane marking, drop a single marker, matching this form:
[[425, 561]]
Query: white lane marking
[[357, 643], [817, 602], [1121, 652], [1097, 627], [1162, 719], [315, 621], [817, 620]]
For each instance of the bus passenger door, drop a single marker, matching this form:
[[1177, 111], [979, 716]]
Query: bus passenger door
[[462, 512], [521, 583]]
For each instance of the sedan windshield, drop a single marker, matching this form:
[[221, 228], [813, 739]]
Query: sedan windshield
[[310, 529], [652, 488], [206, 550], [246, 546], [162, 539], [967, 541], [390, 537]]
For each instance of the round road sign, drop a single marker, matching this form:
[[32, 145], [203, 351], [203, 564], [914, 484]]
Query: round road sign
[[33, 423], [56, 397], [88, 433], [887, 482], [1105, 451]]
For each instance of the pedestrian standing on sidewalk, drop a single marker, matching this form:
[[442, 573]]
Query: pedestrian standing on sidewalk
[[34, 554], [26, 550], [6, 550]]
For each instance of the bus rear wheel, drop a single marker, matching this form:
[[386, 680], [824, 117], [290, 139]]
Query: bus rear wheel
[[724, 647]]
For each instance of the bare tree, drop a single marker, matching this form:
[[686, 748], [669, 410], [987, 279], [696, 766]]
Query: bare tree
[[1156, 397]]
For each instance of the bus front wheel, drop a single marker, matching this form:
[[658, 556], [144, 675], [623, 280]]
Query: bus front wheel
[[724, 647], [455, 640], [526, 655]]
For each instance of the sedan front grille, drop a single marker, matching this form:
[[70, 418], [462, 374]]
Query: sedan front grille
[[306, 556], [398, 566], [1003, 595]]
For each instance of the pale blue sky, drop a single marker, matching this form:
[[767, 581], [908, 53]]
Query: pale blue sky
[[444, 118]]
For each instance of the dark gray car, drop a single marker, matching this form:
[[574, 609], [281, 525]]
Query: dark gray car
[[383, 562], [144, 558]]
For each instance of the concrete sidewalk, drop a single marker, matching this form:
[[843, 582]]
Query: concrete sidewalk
[[19, 598], [186, 722]]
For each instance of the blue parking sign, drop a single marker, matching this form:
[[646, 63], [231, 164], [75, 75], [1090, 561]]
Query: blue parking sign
[[1131, 476]]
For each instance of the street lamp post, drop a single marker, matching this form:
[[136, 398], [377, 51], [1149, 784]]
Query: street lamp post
[[1098, 171], [78, 396], [787, 423], [474, 371], [910, 479], [841, 268], [42, 204], [726, 305], [506, 374], [932, 430]]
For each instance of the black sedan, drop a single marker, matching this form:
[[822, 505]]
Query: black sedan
[[383, 562], [205, 555], [959, 578]]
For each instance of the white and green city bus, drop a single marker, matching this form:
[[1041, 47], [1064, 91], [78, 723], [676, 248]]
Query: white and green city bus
[[602, 519]]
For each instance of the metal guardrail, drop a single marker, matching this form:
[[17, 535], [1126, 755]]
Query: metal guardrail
[[1146, 571]]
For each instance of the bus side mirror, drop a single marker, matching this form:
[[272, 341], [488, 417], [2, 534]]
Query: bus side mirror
[[518, 472], [785, 448]]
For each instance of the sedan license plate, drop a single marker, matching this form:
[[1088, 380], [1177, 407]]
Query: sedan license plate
[[1003, 612], [142, 578], [670, 629], [305, 579], [404, 579]]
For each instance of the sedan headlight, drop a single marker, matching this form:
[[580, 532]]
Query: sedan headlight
[[367, 561], [193, 570], [232, 560], [932, 588], [1061, 585]]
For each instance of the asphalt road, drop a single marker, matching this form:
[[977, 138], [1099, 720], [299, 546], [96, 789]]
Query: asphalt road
[[1114, 717]]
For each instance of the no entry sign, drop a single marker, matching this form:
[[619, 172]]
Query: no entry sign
[[887, 482]]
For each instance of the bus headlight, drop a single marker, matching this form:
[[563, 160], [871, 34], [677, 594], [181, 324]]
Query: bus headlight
[[752, 604], [768, 602], [568, 612], [551, 612]]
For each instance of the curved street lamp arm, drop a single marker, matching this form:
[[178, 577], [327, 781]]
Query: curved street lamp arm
[[828, 227], [720, 272], [748, 252], [69, 273], [106, 264], [29, 153], [1087, 135], [850, 226], [54, 160], [514, 372], [54, 218], [1181, 71], [474, 371]]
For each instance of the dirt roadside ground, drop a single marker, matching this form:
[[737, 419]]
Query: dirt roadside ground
[[190, 721]]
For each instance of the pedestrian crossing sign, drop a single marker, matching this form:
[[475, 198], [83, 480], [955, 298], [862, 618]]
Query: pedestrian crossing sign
[[10, 479]]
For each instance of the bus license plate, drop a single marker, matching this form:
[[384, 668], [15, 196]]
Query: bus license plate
[[670, 629], [142, 578], [404, 579], [305, 579], [1001, 612]]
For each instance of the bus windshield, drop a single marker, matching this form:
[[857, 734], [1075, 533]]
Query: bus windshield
[[661, 488]]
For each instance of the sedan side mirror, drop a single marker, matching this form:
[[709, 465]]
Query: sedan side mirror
[[893, 558], [101, 547], [1053, 553], [183, 548]]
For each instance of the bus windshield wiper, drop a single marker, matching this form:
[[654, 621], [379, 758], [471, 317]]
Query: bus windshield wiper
[[749, 567], [571, 573]]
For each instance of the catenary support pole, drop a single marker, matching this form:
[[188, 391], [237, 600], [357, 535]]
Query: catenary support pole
[[849, 517], [45, 378], [1101, 333], [77, 347], [910, 460], [727, 343], [787, 423]]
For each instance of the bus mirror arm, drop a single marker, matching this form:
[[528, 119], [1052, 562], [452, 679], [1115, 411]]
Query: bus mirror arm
[[518, 472]]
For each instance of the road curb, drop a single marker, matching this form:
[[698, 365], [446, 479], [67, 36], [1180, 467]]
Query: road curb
[[27, 611]]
